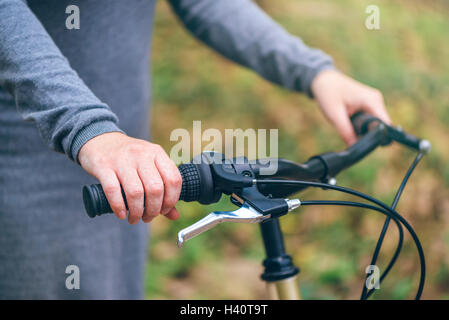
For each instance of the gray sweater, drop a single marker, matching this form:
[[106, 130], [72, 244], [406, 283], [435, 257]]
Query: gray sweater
[[59, 88]]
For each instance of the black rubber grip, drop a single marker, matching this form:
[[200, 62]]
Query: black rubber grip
[[96, 203], [361, 122], [191, 182], [406, 138]]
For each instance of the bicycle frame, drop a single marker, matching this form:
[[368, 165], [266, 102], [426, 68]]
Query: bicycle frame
[[280, 273]]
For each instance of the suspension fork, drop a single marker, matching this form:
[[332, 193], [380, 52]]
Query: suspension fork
[[280, 273]]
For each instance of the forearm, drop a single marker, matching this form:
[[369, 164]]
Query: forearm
[[45, 88], [242, 32]]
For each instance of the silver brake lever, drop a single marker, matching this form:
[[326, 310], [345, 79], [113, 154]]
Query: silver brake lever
[[243, 214]]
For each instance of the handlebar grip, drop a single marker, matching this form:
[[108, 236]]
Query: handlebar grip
[[361, 122], [96, 203], [410, 140]]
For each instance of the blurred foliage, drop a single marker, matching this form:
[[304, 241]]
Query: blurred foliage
[[407, 59]]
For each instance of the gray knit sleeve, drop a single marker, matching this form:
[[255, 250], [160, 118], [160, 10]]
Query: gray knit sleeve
[[242, 32], [47, 91]]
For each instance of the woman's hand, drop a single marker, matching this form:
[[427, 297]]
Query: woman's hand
[[150, 179], [340, 97]]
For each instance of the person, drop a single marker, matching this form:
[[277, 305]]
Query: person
[[66, 90]]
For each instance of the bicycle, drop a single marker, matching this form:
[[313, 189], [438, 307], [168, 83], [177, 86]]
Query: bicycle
[[263, 199]]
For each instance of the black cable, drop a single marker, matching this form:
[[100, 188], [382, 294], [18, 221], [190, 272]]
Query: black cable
[[365, 295], [361, 205], [370, 199]]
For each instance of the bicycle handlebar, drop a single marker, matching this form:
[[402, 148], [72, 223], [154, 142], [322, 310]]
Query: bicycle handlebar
[[206, 181], [364, 122], [96, 203], [261, 197]]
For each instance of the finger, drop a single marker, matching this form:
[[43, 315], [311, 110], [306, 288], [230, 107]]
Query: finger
[[376, 106], [154, 190], [134, 192], [112, 190], [173, 214], [172, 182], [340, 118]]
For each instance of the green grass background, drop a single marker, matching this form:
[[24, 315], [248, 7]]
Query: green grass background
[[407, 59]]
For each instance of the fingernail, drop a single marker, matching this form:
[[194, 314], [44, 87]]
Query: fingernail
[[122, 214]]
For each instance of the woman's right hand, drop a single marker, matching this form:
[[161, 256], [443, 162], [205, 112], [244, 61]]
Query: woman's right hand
[[150, 179]]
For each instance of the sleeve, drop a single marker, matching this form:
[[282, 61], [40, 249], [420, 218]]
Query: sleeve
[[46, 90], [244, 33]]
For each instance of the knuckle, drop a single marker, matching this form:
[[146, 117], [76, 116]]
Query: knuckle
[[174, 180], [135, 193], [157, 148], [110, 188], [156, 189], [160, 153]]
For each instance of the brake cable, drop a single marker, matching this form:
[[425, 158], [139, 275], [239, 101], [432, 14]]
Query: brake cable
[[370, 199], [365, 206], [365, 295]]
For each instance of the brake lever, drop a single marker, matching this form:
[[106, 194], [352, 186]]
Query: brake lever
[[244, 214]]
